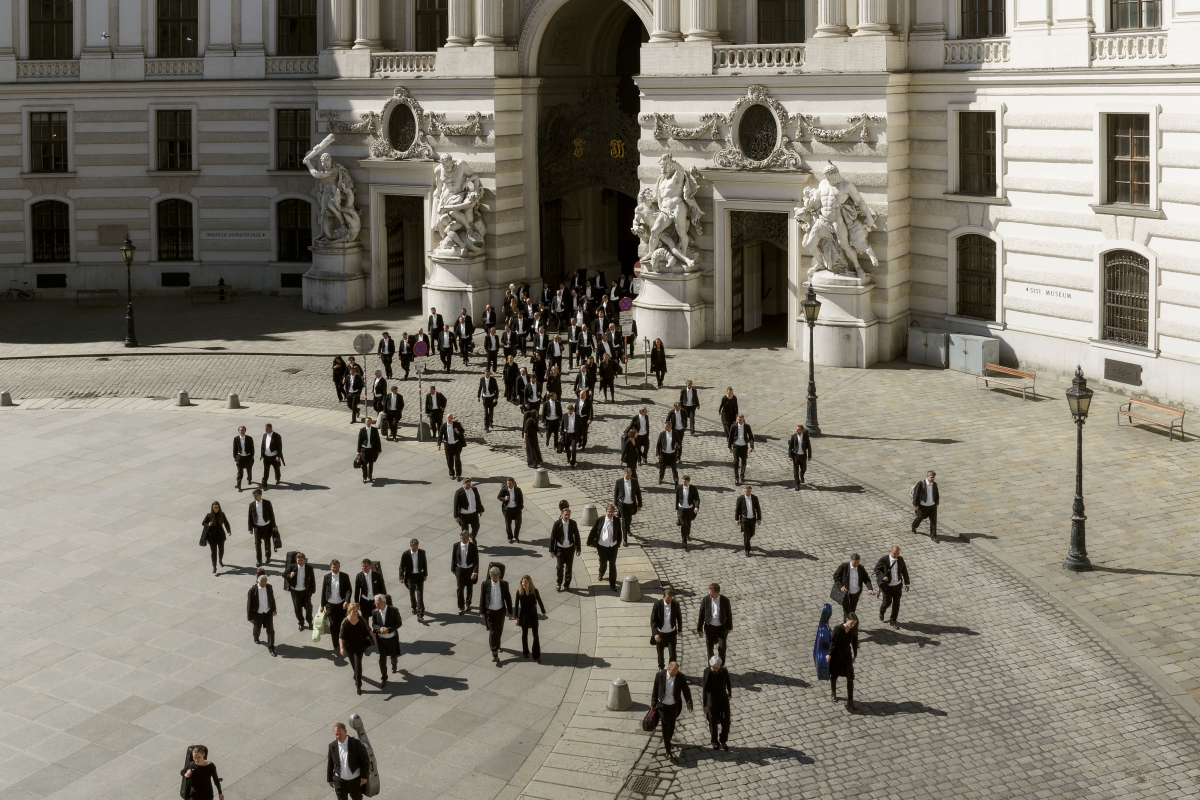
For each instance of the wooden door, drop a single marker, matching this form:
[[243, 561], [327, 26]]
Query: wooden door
[[737, 292]]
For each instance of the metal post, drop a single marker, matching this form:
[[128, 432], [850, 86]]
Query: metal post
[[811, 422], [1077, 557], [130, 335], [645, 360]]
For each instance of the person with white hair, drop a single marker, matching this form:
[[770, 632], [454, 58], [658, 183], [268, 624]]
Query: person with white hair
[[715, 699], [385, 623], [261, 610]]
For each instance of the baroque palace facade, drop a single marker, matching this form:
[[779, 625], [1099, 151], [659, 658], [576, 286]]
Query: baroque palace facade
[[1022, 169]]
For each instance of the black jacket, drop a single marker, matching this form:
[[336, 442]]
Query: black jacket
[[459, 506], [728, 409], [357, 759], [387, 346], [527, 605], [658, 618], [276, 445], [485, 589], [436, 323], [683, 397], [472, 559], [693, 496], [490, 385], [918, 494], [368, 439], [677, 419], [682, 692], [249, 448], [706, 613], [843, 648], [268, 516], [354, 383], [459, 434], [556, 533], [739, 511], [593, 539], [344, 586], [389, 618], [717, 689], [733, 429], [252, 601], [883, 572], [802, 447], [619, 492], [661, 444], [387, 402], [408, 569], [310, 580], [503, 498], [378, 586], [435, 402], [636, 425], [841, 577]]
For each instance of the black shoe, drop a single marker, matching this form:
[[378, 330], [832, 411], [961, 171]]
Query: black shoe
[[383, 680], [558, 588], [933, 536], [214, 570], [881, 615], [300, 627], [850, 706], [359, 690], [222, 563], [273, 653], [256, 641], [716, 746], [420, 618]]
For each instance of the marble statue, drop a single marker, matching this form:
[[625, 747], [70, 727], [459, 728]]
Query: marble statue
[[667, 219], [836, 220], [457, 210], [340, 223]]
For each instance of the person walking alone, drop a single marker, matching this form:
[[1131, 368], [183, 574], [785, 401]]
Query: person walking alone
[[716, 620], [216, 526], [369, 447], [658, 361], [925, 499], [748, 515], [843, 650], [355, 637], [728, 410], [891, 573], [512, 504], [261, 610], [529, 601], [262, 525], [347, 765], [201, 775], [799, 452], [714, 699]]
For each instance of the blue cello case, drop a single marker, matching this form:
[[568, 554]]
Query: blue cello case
[[821, 645]]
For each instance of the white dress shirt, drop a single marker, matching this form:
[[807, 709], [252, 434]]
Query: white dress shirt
[[685, 499], [566, 534], [928, 499], [715, 613], [269, 444], [344, 757], [300, 574], [740, 439], [854, 587], [462, 555], [606, 532], [470, 509], [668, 626], [668, 698], [628, 499], [495, 600], [669, 444], [895, 570], [242, 446], [642, 430], [335, 587], [450, 433], [259, 520], [264, 602], [512, 498], [370, 585]]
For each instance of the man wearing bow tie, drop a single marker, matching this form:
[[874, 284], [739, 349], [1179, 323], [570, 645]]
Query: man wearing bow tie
[[491, 348], [689, 401], [435, 321], [406, 354], [243, 456], [387, 349], [799, 452], [271, 454], [488, 394], [446, 346]]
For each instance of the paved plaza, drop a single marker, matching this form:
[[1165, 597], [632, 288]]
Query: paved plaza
[[1007, 678]]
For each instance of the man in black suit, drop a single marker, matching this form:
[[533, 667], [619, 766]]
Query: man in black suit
[[463, 331], [436, 323], [687, 506], [716, 620], [347, 765], [748, 515], [271, 454], [369, 447], [354, 390], [435, 406], [714, 699], [489, 320], [689, 401], [520, 330], [891, 573], [665, 619], [586, 413], [572, 427], [564, 546], [414, 569], [849, 580], [512, 502], [554, 352], [464, 563], [301, 583], [261, 522], [367, 584], [605, 536], [404, 348], [641, 424], [678, 419], [741, 442], [495, 605], [491, 347], [243, 456], [467, 507], [925, 499], [552, 414], [335, 596], [260, 609], [667, 451], [378, 392], [387, 349], [627, 496], [799, 452], [488, 394], [447, 344], [393, 407], [451, 436], [386, 622], [669, 694]]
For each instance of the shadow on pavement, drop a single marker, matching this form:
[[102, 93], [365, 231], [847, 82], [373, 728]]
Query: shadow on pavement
[[884, 708]]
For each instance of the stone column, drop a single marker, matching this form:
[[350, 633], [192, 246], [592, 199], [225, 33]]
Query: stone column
[[461, 33], [831, 19], [873, 18], [342, 35], [489, 16], [252, 26], [8, 56], [666, 21], [704, 21], [367, 32]]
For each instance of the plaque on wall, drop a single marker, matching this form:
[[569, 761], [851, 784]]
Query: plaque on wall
[[1122, 372]]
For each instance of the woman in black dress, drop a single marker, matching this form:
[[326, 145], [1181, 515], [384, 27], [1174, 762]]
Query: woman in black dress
[[658, 361], [356, 637], [339, 377], [528, 601], [554, 382], [537, 365], [843, 649], [201, 774], [216, 526], [629, 451], [529, 432], [728, 410]]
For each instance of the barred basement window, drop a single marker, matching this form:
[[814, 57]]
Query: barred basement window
[[433, 24], [292, 129], [780, 21], [51, 231], [177, 26], [977, 152], [1129, 159], [48, 141], [982, 19], [976, 277], [50, 29], [297, 24], [175, 140], [174, 230], [293, 229], [1126, 298]]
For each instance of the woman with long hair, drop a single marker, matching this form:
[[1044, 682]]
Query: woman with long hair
[[658, 361], [728, 409], [529, 432], [629, 451], [528, 601], [843, 650], [216, 526], [339, 377], [356, 636]]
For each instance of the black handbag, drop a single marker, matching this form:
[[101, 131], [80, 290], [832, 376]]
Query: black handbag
[[358, 461], [835, 594], [204, 537], [276, 541]]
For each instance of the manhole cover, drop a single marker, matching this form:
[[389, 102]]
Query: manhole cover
[[643, 784], [291, 370]]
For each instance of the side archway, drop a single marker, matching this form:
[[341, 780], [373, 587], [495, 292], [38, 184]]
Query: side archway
[[534, 30]]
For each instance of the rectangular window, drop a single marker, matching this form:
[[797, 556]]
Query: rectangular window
[[50, 29], [292, 127], [977, 152], [177, 27], [297, 28], [51, 231], [174, 231], [976, 277], [48, 141], [174, 140], [433, 24], [982, 19], [1129, 159], [293, 224], [780, 21], [1129, 15]]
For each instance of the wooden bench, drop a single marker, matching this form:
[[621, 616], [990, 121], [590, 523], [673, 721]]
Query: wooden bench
[[97, 294], [1143, 411], [217, 293], [1016, 379]]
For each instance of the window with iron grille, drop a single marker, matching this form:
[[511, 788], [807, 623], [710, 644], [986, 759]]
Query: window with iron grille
[[976, 277], [780, 21], [1129, 159], [48, 141], [297, 25], [982, 19], [50, 29], [177, 26], [1126, 298], [293, 230], [174, 140], [1127, 15], [292, 127], [433, 24], [51, 231], [175, 230], [977, 152]]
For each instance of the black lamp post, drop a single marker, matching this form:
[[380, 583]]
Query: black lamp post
[[1079, 398], [812, 307], [127, 251]]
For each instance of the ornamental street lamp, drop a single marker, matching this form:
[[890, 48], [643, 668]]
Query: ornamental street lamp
[[127, 251], [812, 307], [1079, 398]]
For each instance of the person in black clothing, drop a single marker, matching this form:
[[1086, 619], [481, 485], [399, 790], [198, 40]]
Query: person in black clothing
[[740, 439], [714, 698], [687, 506], [630, 454], [378, 393], [627, 497], [414, 569], [301, 583], [605, 536], [668, 695], [564, 546], [466, 507], [261, 609], [529, 433], [512, 503], [891, 573], [450, 435], [261, 522], [527, 605], [435, 406], [843, 650], [667, 451], [270, 449], [200, 775], [406, 353], [335, 597], [347, 765], [355, 637], [385, 622], [728, 409], [354, 390], [488, 394], [658, 361], [243, 455], [339, 377], [748, 515], [665, 619], [849, 580], [216, 525], [393, 407], [464, 563], [715, 621], [387, 350], [799, 452], [447, 344], [495, 603], [925, 499], [369, 447], [689, 401]]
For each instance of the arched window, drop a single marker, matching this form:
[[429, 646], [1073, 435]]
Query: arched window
[[297, 28], [50, 29], [293, 230], [1126, 298], [976, 277], [51, 231], [433, 24], [175, 230], [780, 21]]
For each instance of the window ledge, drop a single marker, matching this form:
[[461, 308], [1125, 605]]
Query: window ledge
[[163, 262], [975, 198], [991, 325], [48, 264], [1129, 211], [192, 172], [289, 172], [49, 174], [290, 264], [1130, 349]]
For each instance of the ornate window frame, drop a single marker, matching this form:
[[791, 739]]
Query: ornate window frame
[[375, 124]]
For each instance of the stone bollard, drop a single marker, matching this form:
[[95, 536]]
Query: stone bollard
[[183, 400], [541, 478], [233, 402], [423, 432], [619, 698], [5, 399], [589, 515], [631, 590]]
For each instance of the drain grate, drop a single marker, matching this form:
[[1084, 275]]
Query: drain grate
[[292, 370], [643, 784]]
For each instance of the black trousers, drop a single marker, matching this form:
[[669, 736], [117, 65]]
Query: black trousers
[[552, 426], [489, 411], [356, 659], [689, 415], [891, 597], [566, 560], [528, 626], [334, 615], [833, 679], [925, 513], [718, 716], [265, 621], [714, 636], [302, 605], [416, 595], [388, 648], [245, 465], [348, 790], [435, 420], [667, 716], [352, 400], [799, 467], [495, 626], [405, 364], [666, 641], [607, 391], [262, 538], [492, 357], [512, 523], [341, 393], [268, 462], [626, 512], [387, 365], [368, 463], [465, 588], [850, 601], [748, 526], [570, 443], [470, 523], [454, 458], [446, 354], [217, 550], [464, 348], [643, 446], [392, 424], [533, 452], [739, 462], [685, 517], [666, 462], [608, 563]]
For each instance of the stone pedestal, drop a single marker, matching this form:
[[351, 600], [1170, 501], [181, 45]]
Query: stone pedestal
[[336, 283], [846, 334], [670, 308], [456, 283]]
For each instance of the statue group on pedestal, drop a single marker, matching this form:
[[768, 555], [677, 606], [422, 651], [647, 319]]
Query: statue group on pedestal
[[836, 220], [457, 217], [340, 222], [667, 220]]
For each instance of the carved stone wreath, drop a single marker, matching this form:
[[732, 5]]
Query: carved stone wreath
[[380, 139]]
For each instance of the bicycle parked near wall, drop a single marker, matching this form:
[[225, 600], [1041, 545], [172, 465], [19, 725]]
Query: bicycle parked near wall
[[14, 293]]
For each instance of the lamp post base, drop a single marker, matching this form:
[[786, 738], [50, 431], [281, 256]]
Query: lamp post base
[[1077, 563], [130, 336]]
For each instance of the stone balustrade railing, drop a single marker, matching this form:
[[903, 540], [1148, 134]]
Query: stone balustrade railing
[[977, 53], [757, 57], [48, 70], [174, 67], [292, 66], [403, 63], [1111, 48]]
